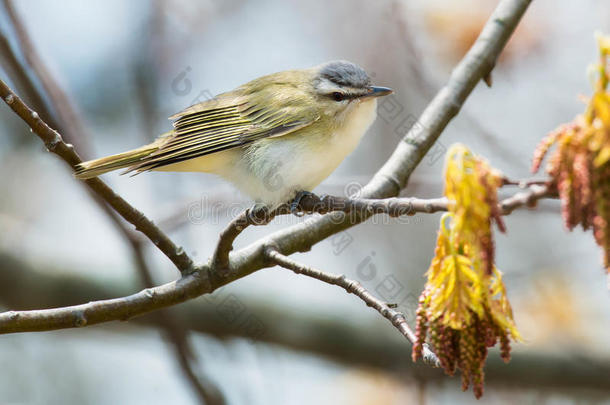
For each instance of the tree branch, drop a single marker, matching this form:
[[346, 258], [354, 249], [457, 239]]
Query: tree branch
[[408, 206], [258, 215], [354, 287], [55, 144], [528, 197], [360, 207]]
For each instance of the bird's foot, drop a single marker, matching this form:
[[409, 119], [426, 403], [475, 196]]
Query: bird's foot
[[295, 205], [259, 214]]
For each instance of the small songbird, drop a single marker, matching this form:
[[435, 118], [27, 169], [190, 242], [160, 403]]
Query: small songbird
[[273, 138]]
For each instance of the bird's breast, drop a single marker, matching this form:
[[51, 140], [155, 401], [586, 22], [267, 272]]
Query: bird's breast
[[300, 161]]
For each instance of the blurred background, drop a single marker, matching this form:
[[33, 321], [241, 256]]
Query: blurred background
[[275, 337]]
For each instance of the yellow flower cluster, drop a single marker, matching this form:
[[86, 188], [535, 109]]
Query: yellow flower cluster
[[464, 308], [580, 165]]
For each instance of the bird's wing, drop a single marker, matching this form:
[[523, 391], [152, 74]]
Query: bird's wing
[[225, 123]]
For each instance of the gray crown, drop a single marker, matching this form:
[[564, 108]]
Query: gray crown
[[344, 73]]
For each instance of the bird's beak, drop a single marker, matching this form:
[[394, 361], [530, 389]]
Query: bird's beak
[[376, 91]]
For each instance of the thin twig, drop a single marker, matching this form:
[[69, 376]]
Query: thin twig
[[310, 204], [71, 125], [528, 197], [361, 207], [525, 183], [354, 287], [407, 206], [250, 216], [393, 207], [57, 98], [55, 144], [427, 87]]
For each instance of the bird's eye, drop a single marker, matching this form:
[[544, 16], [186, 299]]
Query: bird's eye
[[337, 96]]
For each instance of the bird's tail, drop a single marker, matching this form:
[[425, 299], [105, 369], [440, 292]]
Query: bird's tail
[[96, 167]]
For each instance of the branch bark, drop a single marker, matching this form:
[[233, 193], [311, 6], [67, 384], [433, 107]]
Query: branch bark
[[356, 208], [54, 143], [408, 206]]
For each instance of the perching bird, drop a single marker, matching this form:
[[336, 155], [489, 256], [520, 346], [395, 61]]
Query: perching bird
[[273, 137]]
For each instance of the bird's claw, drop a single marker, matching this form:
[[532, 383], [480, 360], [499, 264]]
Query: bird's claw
[[296, 202], [258, 214]]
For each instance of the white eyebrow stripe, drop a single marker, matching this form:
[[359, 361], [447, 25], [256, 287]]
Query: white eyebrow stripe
[[326, 86]]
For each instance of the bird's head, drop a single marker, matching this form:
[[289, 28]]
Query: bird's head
[[341, 85]]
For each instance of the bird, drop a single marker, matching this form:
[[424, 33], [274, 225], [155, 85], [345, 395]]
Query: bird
[[274, 138]]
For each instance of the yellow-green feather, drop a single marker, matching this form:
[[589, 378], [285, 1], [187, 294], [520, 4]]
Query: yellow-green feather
[[270, 106], [96, 167]]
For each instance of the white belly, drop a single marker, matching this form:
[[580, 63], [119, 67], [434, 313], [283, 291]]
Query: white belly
[[273, 170]]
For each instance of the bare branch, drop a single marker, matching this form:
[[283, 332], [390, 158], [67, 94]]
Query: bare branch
[[55, 144], [407, 206], [124, 308], [393, 207], [528, 198], [475, 65], [258, 215], [304, 332], [361, 207], [354, 287], [207, 394]]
